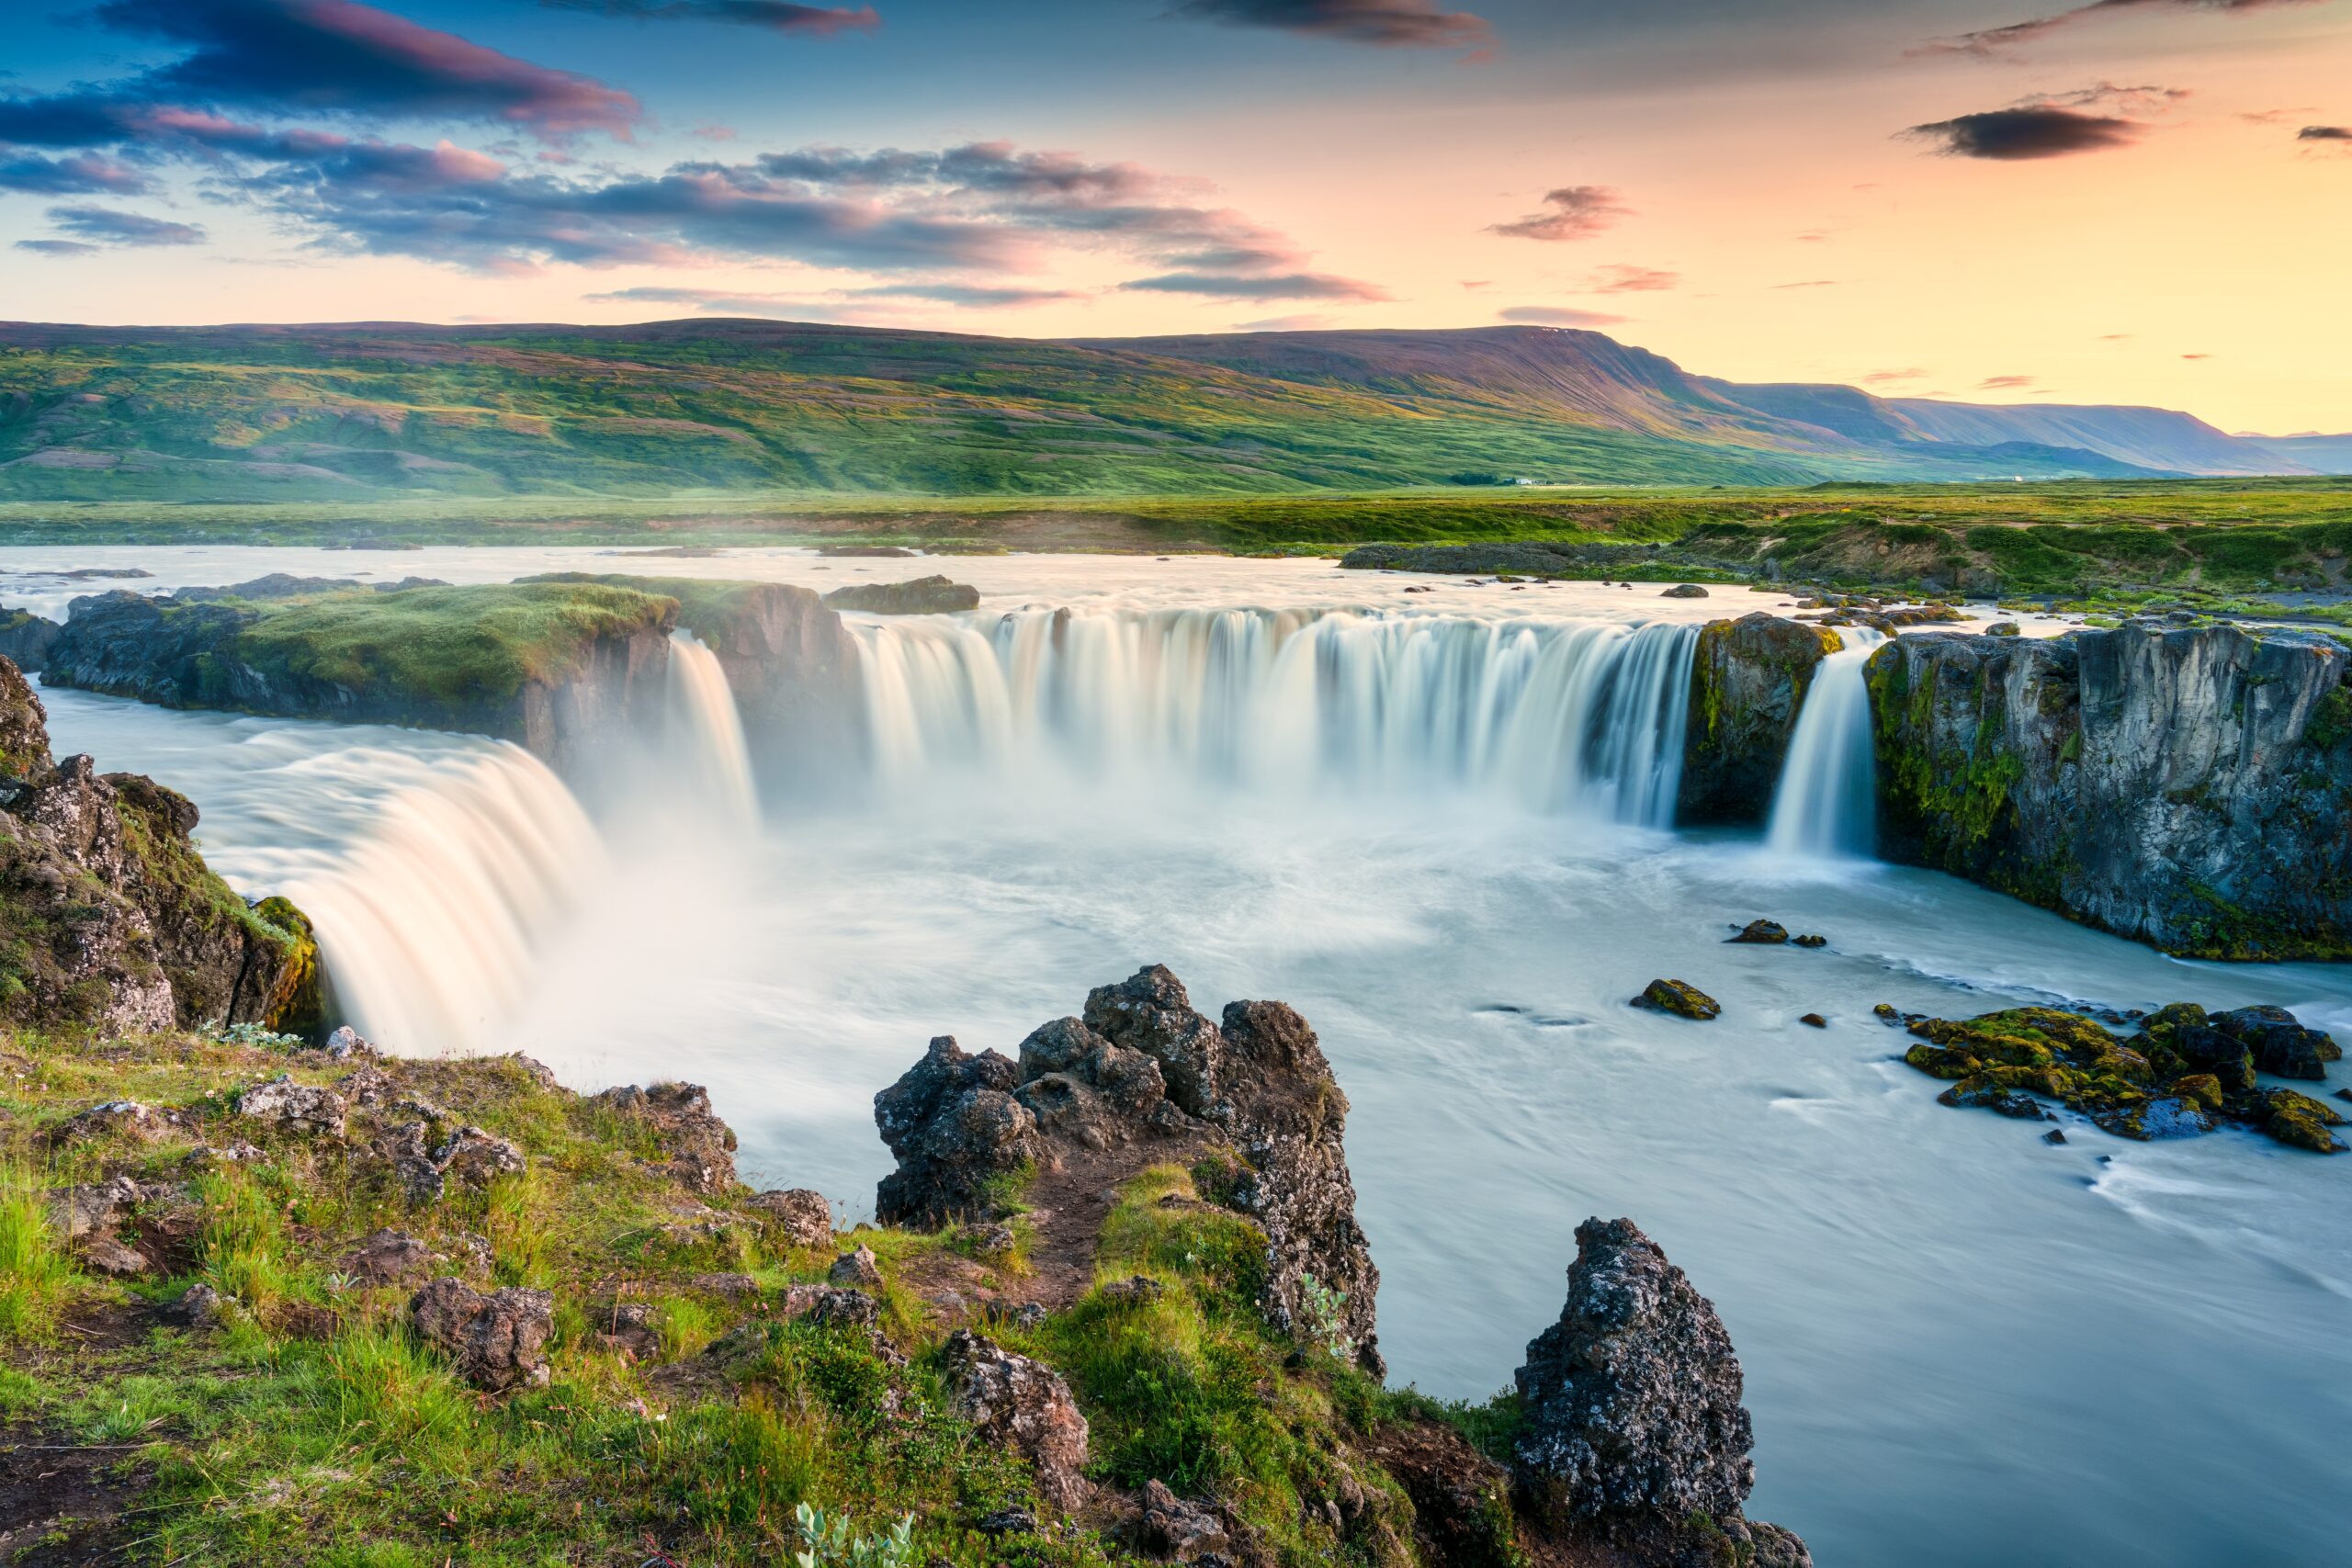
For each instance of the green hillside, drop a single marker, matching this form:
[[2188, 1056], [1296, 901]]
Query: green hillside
[[333, 414]]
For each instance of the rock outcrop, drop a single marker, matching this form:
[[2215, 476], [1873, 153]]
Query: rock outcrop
[[1142, 1070], [2184, 1073], [790, 663], [25, 638], [552, 667], [499, 1340], [1632, 1419], [2190, 787], [1747, 679], [932, 595], [1021, 1404], [109, 916]]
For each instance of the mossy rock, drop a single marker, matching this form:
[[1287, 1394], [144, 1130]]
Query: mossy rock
[[2301, 1120], [1680, 997]]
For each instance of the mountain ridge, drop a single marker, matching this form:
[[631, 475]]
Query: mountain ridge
[[346, 410]]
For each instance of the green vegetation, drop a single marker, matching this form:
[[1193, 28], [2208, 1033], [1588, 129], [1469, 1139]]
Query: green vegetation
[[458, 645], [311, 1425]]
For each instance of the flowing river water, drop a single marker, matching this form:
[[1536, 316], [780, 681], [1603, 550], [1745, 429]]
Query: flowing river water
[[1436, 824]]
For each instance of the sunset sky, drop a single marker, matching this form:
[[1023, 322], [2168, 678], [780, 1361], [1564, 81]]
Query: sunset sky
[[2138, 201]]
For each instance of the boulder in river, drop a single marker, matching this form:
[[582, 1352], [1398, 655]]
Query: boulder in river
[[1680, 997], [1684, 591], [1762, 933]]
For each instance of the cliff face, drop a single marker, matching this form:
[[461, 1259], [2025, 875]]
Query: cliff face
[[109, 918], [791, 664], [2190, 787], [1747, 681], [551, 668]]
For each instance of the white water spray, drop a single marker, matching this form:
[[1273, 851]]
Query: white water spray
[[432, 925], [1826, 806], [706, 733], [1585, 717]]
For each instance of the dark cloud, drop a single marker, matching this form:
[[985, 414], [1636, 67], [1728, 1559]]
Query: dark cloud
[[1285, 286], [85, 174], [1990, 42], [1632, 280], [1577, 212], [736, 302], [57, 247], [1556, 316], [2049, 128], [2325, 133], [332, 57], [104, 226], [813, 21], [1394, 24]]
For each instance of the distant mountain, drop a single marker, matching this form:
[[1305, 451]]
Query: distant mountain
[[342, 412], [2318, 454]]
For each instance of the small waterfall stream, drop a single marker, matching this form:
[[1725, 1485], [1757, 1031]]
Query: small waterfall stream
[[706, 740], [1826, 806], [1584, 717]]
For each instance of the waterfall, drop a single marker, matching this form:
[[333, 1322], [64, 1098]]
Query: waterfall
[[1584, 717], [1826, 806], [706, 733], [431, 924]]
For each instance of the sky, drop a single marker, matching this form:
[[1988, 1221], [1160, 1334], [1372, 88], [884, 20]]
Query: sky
[[2121, 201]]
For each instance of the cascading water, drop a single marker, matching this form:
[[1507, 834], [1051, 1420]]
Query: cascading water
[[432, 925], [1582, 715], [1825, 806], [707, 732]]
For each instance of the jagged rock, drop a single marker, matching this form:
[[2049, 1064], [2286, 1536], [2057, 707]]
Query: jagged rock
[[236, 1151], [988, 1240], [699, 1146], [1762, 933], [933, 595], [802, 1217], [1680, 997], [2190, 787], [1007, 1521], [119, 925], [1021, 1404], [295, 1107], [345, 1042], [2055, 1136], [466, 1154], [111, 1118], [95, 1208], [856, 1270], [1141, 1291], [830, 1304], [370, 1087], [498, 1339], [389, 1256], [955, 1126], [1149, 1012], [2279, 1045], [109, 1255], [1132, 1070], [1174, 1528], [1983, 1093], [631, 1328], [198, 1306], [1632, 1399]]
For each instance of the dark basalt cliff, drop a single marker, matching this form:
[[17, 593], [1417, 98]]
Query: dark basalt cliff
[[109, 916], [2190, 787], [1748, 679]]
